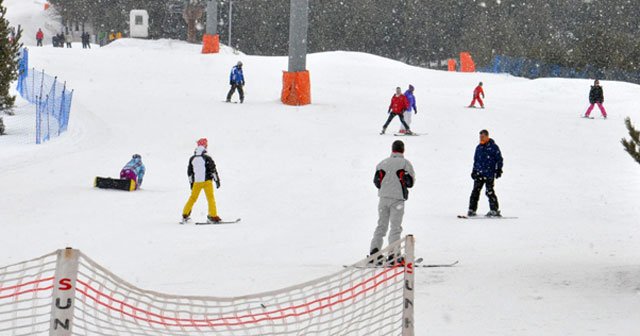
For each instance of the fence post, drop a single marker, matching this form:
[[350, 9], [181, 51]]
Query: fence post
[[61, 115], [38, 119], [408, 322], [64, 292]]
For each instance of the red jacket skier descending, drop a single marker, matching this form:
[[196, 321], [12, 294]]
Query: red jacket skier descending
[[477, 92]]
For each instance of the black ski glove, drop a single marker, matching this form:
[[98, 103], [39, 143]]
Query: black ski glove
[[415, 110], [499, 173], [475, 175], [230, 82]]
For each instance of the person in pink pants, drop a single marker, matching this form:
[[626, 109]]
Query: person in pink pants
[[596, 97]]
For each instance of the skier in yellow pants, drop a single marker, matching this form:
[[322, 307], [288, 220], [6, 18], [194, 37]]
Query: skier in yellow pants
[[202, 171]]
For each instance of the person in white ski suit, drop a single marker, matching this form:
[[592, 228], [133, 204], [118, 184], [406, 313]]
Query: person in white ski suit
[[393, 178]]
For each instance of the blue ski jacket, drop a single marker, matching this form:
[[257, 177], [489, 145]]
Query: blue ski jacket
[[136, 166], [236, 76], [412, 101], [487, 160]]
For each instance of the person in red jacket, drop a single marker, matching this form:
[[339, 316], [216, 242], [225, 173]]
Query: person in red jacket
[[39, 37], [476, 96], [399, 104]]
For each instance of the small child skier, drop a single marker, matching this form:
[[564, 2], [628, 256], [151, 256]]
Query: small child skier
[[477, 92]]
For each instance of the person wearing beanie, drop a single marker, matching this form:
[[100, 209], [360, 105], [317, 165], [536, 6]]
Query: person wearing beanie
[[236, 80], [399, 104], [411, 99], [393, 178], [134, 170], [487, 167], [478, 95], [202, 171]]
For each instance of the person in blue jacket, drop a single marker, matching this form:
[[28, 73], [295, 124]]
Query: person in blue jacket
[[413, 109], [134, 170], [236, 80], [487, 166]]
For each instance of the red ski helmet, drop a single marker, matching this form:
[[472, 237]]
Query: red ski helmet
[[203, 142]]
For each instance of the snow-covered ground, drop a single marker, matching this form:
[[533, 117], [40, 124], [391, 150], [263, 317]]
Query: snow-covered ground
[[301, 179]]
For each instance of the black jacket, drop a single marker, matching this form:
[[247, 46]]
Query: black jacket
[[596, 95], [211, 172]]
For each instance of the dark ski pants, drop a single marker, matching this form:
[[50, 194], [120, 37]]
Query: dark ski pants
[[393, 115], [39, 43], [233, 90], [491, 194]]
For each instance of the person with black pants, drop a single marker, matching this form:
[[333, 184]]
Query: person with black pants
[[236, 80], [487, 167]]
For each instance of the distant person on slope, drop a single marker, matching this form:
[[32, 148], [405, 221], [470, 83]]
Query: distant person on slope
[[487, 167], [410, 110], [201, 171], [236, 80], [477, 93], [399, 104], [596, 97], [393, 178], [134, 170], [39, 37], [68, 38]]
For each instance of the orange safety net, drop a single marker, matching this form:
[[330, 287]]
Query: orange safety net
[[451, 64], [296, 88], [210, 44], [466, 62]]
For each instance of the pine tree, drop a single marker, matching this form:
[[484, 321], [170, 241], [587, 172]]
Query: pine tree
[[632, 146], [9, 52]]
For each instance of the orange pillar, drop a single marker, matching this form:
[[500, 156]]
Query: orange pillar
[[210, 44], [452, 65], [296, 88], [466, 62]]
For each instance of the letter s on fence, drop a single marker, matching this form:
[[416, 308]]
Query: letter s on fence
[[65, 284]]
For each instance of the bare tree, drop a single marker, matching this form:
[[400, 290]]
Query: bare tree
[[192, 14]]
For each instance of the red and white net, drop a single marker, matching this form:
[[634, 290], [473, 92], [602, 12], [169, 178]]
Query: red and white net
[[25, 296], [358, 300]]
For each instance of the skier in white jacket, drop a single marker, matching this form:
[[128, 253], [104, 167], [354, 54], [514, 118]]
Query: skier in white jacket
[[393, 178]]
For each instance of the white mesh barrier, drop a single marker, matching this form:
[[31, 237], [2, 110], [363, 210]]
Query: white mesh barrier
[[25, 296], [359, 300]]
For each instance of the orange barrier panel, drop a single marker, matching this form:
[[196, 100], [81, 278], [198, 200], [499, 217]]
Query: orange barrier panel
[[466, 62], [296, 88], [452, 64], [210, 44], [46, 5]]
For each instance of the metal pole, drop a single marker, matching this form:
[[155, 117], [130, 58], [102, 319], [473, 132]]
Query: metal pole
[[230, 19], [409, 283], [298, 27], [212, 17]]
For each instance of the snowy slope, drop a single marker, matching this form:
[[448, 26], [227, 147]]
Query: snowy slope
[[31, 16], [301, 180]]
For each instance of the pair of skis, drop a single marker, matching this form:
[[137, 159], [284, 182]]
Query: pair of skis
[[416, 264], [486, 217]]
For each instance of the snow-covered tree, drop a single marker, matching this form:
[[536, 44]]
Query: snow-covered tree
[[9, 53], [632, 146]]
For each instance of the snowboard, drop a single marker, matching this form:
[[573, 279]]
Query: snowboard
[[111, 183], [219, 223], [486, 217]]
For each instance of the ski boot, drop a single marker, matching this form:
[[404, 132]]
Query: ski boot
[[378, 261], [213, 220], [384, 129], [471, 213], [493, 213], [408, 132], [402, 131], [185, 219]]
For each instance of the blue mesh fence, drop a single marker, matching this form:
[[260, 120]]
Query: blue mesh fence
[[51, 97], [523, 67]]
